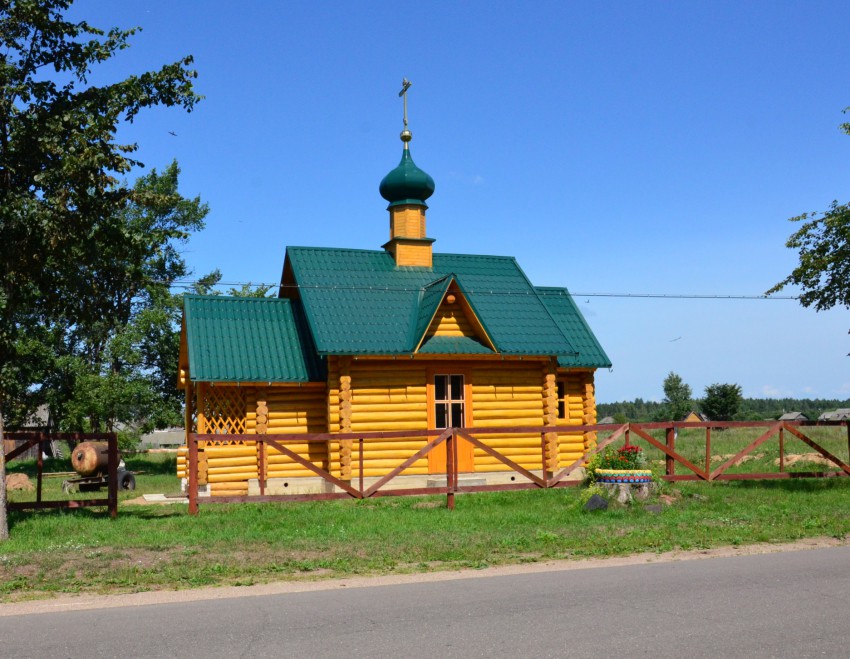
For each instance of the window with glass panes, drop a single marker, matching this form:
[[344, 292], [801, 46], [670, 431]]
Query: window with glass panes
[[448, 401]]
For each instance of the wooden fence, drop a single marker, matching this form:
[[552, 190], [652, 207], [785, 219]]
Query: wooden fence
[[608, 434]]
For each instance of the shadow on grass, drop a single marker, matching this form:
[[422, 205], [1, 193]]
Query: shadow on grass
[[802, 484], [17, 517], [166, 465], [153, 512], [30, 468]]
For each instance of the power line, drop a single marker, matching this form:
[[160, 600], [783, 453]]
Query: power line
[[188, 284]]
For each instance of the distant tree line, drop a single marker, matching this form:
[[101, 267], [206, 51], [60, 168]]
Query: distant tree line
[[751, 409]]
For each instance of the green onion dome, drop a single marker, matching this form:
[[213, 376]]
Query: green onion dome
[[407, 184]]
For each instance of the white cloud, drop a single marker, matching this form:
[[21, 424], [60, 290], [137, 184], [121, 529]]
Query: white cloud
[[475, 179], [769, 391]]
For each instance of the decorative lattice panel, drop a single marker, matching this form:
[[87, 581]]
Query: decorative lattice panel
[[225, 410]]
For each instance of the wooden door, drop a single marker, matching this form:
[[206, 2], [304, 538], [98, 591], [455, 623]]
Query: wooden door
[[449, 397]]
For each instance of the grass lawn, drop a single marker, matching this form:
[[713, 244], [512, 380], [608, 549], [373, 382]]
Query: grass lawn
[[162, 547]]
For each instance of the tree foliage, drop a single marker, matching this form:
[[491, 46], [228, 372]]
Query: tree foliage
[[752, 409], [122, 367], [823, 243], [63, 231], [722, 401], [677, 397], [823, 273]]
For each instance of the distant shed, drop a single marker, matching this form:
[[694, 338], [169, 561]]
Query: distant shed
[[841, 414], [793, 416]]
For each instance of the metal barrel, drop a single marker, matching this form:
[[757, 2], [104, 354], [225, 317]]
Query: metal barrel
[[90, 458]]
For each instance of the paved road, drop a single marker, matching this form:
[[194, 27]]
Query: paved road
[[794, 604]]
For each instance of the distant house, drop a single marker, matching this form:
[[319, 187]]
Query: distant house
[[793, 416], [607, 419], [695, 417], [167, 438], [841, 414], [37, 422]]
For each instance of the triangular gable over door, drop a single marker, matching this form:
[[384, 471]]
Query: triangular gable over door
[[454, 328]]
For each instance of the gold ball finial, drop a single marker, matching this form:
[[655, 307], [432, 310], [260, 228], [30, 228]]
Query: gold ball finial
[[406, 136]]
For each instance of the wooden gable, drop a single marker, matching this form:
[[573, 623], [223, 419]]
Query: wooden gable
[[455, 318]]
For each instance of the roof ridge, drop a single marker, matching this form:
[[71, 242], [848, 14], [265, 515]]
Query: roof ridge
[[477, 256], [337, 249], [234, 298], [380, 251]]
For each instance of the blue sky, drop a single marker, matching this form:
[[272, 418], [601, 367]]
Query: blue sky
[[611, 147]]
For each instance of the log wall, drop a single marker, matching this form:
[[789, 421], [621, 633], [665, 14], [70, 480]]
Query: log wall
[[296, 410], [385, 396], [271, 410], [508, 394], [389, 395], [450, 320], [580, 407]]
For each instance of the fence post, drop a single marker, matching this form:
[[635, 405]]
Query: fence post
[[112, 480], [450, 469], [261, 464], [193, 473], [670, 463], [847, 425], [544, 463], [782, 449], [708, 450], [40, 463], [360, 462]]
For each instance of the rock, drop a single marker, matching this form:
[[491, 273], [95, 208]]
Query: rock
[[596, 502], [620, 492], [18, 482], [654, 508], [641, 491]]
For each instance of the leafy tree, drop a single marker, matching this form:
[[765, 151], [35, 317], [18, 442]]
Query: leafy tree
[[677, 397], [208, 285], [122, 368], [722, 401], [61, 200], [823, 242]]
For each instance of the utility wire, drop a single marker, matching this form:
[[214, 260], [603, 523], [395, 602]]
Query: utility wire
[[188, 284]]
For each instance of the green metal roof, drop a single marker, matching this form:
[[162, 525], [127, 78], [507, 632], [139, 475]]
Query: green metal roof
[[454, 345], [242, 339], [359, 302], [572, 323], [429, 301]]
